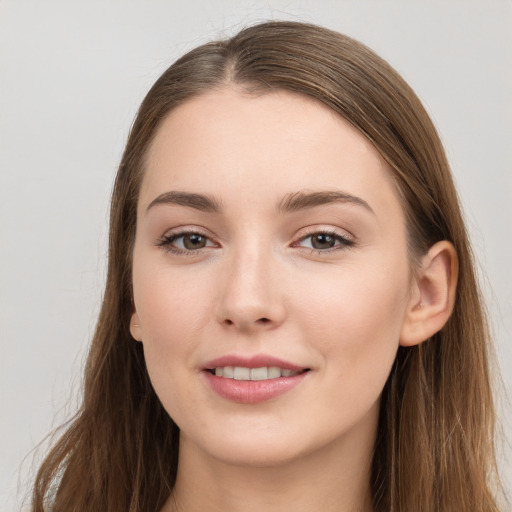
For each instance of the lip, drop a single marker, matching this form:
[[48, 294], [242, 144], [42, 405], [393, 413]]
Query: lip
[[256, 361], [252, 392]]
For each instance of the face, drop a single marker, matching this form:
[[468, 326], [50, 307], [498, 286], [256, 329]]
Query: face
[[270, 276]]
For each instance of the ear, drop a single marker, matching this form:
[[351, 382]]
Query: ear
[[432, 295], [135, 329]]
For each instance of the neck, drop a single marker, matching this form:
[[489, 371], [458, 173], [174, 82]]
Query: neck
[[333, 478]]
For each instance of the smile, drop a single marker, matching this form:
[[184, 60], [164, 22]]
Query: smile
[[252, 379], [262, 373]]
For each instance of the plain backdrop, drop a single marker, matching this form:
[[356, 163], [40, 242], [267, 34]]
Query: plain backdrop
[[72, 74]]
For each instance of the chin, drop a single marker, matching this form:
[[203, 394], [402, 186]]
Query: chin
[[256, 454], [261, 446]]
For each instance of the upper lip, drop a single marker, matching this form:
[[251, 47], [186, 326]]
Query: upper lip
[[255, 361]]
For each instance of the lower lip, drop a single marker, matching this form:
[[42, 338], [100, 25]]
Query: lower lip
[[252, 391]]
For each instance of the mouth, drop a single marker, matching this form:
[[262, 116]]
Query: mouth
[[254, 379], [244, 373]]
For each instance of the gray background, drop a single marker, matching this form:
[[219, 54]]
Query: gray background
[[71, 77]]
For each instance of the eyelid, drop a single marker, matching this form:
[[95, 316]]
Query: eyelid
[[345, 238], [166, 240]]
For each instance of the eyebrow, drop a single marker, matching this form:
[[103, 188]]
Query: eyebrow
[[290, 203], [305, 200], [200, 202]]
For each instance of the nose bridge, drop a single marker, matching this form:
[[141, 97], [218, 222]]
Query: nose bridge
[[251, 296]]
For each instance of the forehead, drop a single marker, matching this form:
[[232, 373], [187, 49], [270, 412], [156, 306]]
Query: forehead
[[246, 147]]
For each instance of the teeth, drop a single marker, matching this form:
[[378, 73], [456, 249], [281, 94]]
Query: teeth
[[241, 373], [274, 372], [259, 373], [228, 372], [263, 373]]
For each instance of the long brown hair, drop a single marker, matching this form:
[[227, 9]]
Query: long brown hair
[[434, 450]]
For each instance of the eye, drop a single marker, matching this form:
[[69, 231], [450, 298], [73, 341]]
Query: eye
[[324, 241], [185, 242], [190, 241]]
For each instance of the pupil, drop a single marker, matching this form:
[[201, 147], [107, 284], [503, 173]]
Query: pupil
[[323, 241], [194, 241]]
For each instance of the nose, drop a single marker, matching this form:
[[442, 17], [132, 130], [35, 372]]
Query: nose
[[252, 297]]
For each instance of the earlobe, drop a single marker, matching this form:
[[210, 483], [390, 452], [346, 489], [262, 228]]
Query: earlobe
[[433, 296], [135, 329]]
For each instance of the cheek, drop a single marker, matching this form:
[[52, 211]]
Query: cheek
[[171, 305], [354, 321], [172, 314], [172, 310]]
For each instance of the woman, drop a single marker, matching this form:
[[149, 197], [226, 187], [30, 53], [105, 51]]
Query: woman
[[291, 318]]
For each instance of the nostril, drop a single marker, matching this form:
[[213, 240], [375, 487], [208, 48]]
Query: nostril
[[246, 323]]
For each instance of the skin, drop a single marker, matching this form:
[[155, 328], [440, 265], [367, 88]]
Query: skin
[[258, 286]]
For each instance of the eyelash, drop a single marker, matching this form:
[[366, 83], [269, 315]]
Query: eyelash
[[344, 242], [167, 240]]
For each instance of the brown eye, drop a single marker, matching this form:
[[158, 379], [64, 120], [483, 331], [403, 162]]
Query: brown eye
[[322, 241], [185, 242], [194, 241]]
